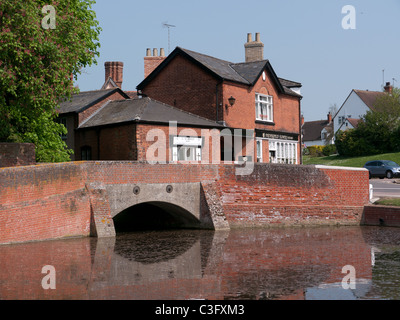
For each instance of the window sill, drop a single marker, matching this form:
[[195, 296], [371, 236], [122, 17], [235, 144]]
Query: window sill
[[269, 123]]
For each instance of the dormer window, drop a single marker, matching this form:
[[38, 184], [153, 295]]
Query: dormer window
[[264, 108]]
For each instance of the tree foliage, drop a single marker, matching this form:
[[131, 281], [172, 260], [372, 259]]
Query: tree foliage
[[38, 66], [378, 132]]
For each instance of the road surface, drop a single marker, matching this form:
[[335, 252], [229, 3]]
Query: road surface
[[385, 188]]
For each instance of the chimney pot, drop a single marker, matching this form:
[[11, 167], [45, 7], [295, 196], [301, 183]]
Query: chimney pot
[[388, 88], [249, 39], [254, 50], [148, 52], [152, 62]]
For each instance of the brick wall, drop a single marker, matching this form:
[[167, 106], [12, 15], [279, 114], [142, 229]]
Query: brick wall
[[141, 142], [151, 63], [51, 201], [286, 108], [17, 154], [186, 86], [294, 195], [375, 215], [108, 142]]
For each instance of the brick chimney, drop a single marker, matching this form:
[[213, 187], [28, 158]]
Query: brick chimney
[[388, 88], [254, 50], [152, 61], [114, 70], [329, 117]]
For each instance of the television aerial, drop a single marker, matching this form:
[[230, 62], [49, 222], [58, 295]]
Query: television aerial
[[169, 26]]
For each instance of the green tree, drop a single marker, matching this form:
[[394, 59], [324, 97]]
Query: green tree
[[387, 109], [38, 66], [351, 143]]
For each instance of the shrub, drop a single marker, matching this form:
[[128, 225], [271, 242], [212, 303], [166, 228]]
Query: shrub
[[315, 151], [329, 149]]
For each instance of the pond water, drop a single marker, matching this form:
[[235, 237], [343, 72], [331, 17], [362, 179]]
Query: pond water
[[312, 263]]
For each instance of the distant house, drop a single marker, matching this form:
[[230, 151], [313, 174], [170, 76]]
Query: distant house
[[355, 107], [318, 133]]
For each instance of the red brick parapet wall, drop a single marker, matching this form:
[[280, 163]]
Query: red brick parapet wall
[[53, 201], [17, 154], [295, 195]]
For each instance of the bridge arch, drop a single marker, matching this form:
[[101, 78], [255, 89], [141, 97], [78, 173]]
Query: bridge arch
[[154, 215], [155, 206]]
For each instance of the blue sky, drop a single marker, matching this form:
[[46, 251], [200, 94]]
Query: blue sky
[[304, 41]]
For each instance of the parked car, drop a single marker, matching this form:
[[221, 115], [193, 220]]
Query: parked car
[[382, 169]]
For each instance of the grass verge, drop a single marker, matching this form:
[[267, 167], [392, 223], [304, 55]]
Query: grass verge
[[357, 162], [388, 202]]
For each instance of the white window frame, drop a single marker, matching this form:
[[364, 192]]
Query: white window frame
[[191, 146], [264, 108], [259, 150], [285, 151]]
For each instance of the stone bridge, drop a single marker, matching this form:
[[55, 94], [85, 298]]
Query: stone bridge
[[182, 206], [53, 201]]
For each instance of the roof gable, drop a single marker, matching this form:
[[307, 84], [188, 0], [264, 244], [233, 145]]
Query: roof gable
[[353, 122], [110, 83], [245, 73], [366, 96]]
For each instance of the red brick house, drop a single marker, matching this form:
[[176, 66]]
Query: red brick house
[[147, 130], [246, 95], [111, 124], [75, 111]]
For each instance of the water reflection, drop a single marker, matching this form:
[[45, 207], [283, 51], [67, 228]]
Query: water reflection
[[282, 263]]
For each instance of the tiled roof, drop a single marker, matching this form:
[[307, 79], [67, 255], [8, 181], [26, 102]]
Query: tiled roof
[[312, 129], [144, 110], [83, 100], [353, 122], [220, 67], [245, 73], [290, 83], [369, 97]]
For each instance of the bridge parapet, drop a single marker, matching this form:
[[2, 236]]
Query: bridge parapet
[[53, 201]]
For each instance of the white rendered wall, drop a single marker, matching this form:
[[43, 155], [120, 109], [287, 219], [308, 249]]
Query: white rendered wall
[[354, 107]]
